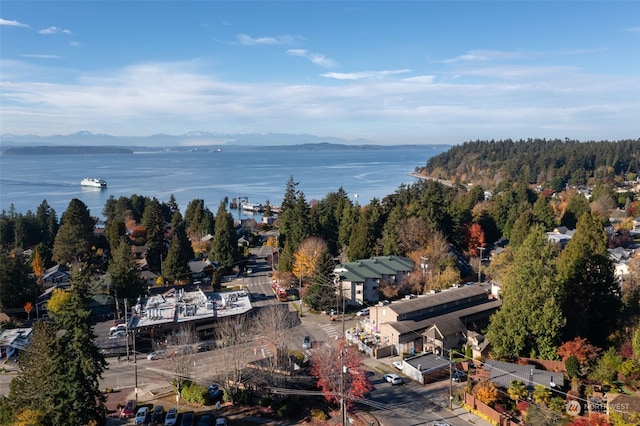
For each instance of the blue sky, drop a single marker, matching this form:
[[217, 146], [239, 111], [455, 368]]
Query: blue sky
[[390, 72]]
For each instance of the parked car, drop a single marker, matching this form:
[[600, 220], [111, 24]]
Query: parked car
[[216, 395], [205, 346], [459, 376], [363, 312], [117, 328], [171, 419], [394, 379], [188, 419], [117, 334], [157, 415], [398, 365], [160, 354], [205, 420], [129, 410], [306, 342], [141, 415], [221, 421]]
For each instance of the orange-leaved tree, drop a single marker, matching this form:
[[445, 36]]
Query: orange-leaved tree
[[28, 307], [37, 264], [487, 392], [581, 349], [326, 366], [476, 239]]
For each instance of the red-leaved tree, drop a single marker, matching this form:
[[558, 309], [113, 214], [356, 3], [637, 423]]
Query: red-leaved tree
[[326, 364], [578, 347]]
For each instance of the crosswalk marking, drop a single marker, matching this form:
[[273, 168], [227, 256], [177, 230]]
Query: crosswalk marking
[[331, 331]]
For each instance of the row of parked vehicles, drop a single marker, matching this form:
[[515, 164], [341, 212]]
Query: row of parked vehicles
[[158, 416]]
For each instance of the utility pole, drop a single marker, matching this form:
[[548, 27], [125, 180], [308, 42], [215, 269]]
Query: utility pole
[[481, 249], [126, 324], [135, 363], [343, 368], [450, 381]]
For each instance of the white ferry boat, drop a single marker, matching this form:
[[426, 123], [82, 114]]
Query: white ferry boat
[[94, 182]]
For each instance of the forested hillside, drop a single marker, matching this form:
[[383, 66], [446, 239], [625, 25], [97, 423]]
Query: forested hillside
[[553, 163]]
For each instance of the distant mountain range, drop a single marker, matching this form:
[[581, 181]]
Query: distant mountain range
[[191, 139]]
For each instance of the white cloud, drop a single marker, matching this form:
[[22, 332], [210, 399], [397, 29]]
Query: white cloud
[[54, 30], [74, 44], [248, 40], [633, 29], [384, 106], [363, 75], [41, 56], [483, 55], [8, 23], [315, 58]]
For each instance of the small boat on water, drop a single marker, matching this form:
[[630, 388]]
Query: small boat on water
[[94, 182]]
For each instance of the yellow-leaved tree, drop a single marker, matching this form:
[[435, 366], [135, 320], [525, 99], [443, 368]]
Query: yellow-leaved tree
[[59, 299], [487, 392], [305, 259]]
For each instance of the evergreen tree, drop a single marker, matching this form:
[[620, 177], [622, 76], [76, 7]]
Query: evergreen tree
[[362, 237], [224, 247], [543, 212], [180, 252], [577, 205], [16, 285], [321, 294], [286, 217], [591, 304], [125, 280], [114, 231], [521, 228], [173, 205], [199, 220], [300, 228], [350, 216], [62, 367], [155, 224], [73, 240], [390, 237], [47, 223], [530, 321]]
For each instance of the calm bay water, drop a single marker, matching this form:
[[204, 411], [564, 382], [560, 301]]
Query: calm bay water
[[260, 175]]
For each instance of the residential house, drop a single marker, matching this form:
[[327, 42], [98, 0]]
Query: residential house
[[12, 340], [503, 373], [620, 257], [560, 235], [360, 279], [202, 270], [58, 274]]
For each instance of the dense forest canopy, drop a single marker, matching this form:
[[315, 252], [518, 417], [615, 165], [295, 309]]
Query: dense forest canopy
[[554, 163]]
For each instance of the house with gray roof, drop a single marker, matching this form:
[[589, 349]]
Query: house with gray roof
[[360, 279], [56, 275], [503, 373]]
